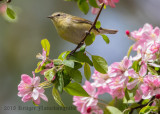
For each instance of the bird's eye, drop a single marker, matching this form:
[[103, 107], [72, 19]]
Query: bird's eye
[[58, 15]]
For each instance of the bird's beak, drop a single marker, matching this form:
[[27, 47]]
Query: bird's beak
[[51, 17]]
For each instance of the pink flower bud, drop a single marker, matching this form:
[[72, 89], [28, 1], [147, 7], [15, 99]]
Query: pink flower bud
[[88, 109], [128, 33], [157, 96]]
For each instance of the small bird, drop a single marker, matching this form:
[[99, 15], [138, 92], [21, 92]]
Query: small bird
[[73, 29]]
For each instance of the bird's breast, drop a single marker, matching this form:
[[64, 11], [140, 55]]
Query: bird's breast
[[72, 32]]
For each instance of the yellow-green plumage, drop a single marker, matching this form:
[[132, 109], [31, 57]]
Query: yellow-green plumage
[[73, 29]]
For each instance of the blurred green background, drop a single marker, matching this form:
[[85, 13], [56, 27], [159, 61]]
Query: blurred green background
[[20, 42]]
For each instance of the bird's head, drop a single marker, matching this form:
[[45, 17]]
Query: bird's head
[[58, 16]]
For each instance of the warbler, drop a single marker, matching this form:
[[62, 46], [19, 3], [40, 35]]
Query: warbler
[[73, 28]]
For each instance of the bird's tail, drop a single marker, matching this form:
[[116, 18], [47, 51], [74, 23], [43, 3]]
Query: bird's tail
[[107, 31]]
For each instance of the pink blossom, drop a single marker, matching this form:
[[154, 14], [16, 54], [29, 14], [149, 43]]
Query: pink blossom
[[29, 89], [117, 91], [83, 103], [3, 8], [138, 79], [151, 86], [47, 67], [117, 86], [145, 56], [138, 95], [94, 10], [120, 69], [154, 47], [139, 35], [109, 2], [145, 36], [106, 2], [43, 57], [101, 82]]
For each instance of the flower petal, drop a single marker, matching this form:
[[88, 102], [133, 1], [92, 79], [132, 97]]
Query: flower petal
[[26, 79], [44, 97], [37, 101], [36, 81], [35, 94], [27, 97]]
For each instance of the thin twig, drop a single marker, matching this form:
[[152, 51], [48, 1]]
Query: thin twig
[[87, 33]]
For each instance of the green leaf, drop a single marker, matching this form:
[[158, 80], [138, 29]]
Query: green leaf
[[118, 103], [76, 89], [136, 66], [46, 46], [100, 64], [83, 48], [152, 71], [129, 97], [77, 65], [105, 38], [156, 68], [145, 101], [76, 75], [98, 24], [60, 83], [134, 105], [11, 13], [81, 57], [73, 73], [87, 71], [69, 63], [90, 39], [145, 110], [57, 62], [66, 78], [112, 110], [63, 55], [57, 97], [83, 6], [93, 3], [49, 74]]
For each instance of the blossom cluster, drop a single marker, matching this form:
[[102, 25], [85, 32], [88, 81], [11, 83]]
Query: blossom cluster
[[30, 89], [106, 2], [138, 73]]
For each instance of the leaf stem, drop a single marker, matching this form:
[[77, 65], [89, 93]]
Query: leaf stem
[[129, 50]]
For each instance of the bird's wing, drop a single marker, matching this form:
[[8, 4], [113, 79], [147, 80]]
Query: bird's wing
[[81, 20], [100, 30]]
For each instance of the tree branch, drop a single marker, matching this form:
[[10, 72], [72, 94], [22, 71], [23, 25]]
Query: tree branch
[[88, 32], [141, 106]]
